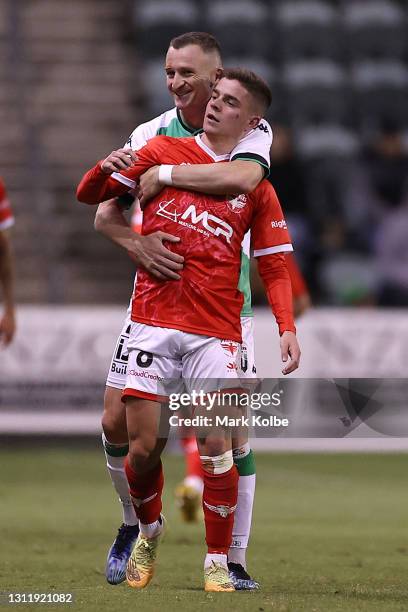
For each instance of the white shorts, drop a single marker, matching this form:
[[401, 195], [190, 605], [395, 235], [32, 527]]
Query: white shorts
[[118, 368], [163, 361]]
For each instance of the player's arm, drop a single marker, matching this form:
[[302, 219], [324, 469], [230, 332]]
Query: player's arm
[[270, 240], [275, 276], [7, 319], [248, 165], [237, 176], [147, 251], [109, 178]]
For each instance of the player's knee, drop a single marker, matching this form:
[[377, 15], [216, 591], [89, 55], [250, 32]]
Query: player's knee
[[214, 447], [141, 454], [114, 427]]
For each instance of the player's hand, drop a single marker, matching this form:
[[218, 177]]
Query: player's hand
[[153, 256], [122, 159], [7, 327], [149, 186], [289, 349]]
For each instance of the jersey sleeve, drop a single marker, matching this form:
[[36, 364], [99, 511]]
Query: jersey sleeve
[[143, 133], [96, 186], [269, 232], [148, 156], [255, 146], [6, 214]]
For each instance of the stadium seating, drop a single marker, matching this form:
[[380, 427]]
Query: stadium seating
[[375, 30], [157, 21], [308, 29], [381, 88], [241, 26], [317, 90]]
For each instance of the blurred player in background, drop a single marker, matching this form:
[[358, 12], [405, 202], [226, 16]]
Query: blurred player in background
[[193, 65], [183, 329], [7, 317]]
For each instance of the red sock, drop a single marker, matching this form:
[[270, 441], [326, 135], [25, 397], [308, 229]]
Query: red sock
[[146, 491], [220, 493], [192, 457]]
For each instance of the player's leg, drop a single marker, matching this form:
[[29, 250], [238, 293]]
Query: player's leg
[[115, 444], [145, 476], [207, 367], [220, 492], [245, 463], [148, 425]]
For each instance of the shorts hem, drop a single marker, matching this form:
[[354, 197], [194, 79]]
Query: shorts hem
[[129, 392]]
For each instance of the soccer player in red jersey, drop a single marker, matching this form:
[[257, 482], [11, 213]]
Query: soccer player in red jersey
[[184, 329], [7, 319], [192, 66]]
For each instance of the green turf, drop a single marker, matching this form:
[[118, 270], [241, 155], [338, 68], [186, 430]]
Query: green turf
[[330, 533]]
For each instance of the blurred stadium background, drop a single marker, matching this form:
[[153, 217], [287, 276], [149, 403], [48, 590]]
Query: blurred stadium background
[[75, 79]]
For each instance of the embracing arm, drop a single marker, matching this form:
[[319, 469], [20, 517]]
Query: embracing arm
[[238, 176], [234, 177], [96, 186], [147, 251]]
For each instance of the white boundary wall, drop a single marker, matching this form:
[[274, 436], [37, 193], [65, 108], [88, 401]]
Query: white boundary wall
[[73, 346]]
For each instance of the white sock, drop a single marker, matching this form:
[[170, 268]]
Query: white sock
[[242, 518], [237, 555], [217, 558], [151, 530], [117, 473]]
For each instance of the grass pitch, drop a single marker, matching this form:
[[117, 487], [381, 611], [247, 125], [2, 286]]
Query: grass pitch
[[329, 534]]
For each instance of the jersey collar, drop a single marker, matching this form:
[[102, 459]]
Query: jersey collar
[[186, 127], [209, 152]]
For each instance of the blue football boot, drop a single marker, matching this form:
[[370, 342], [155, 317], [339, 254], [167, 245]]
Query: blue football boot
[[120, 552], [241, 580]]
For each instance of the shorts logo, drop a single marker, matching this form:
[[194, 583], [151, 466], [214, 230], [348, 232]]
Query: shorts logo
[[237, 204], [145, 374], [230, 347], [223, 511], [232, 366], [191, 219], [144, 359], [279, 224]]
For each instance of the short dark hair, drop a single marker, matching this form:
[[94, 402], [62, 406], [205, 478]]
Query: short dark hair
[[254, 85], [207, 42]]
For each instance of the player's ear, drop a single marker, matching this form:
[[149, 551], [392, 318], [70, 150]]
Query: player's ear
[[254, 121], [218, 75]]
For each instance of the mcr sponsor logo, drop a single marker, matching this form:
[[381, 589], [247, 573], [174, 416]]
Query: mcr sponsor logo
[[210, 224]]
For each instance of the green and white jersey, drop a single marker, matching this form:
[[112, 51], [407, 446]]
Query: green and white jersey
[[255, 146]]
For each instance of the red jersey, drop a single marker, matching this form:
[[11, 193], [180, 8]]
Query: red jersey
[[6, 215], [206, 300]]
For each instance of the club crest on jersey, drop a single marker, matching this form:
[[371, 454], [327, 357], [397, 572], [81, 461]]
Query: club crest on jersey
[[237, 204], [192, 219]]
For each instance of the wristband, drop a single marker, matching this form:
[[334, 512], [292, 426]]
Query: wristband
[[165, 171]]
